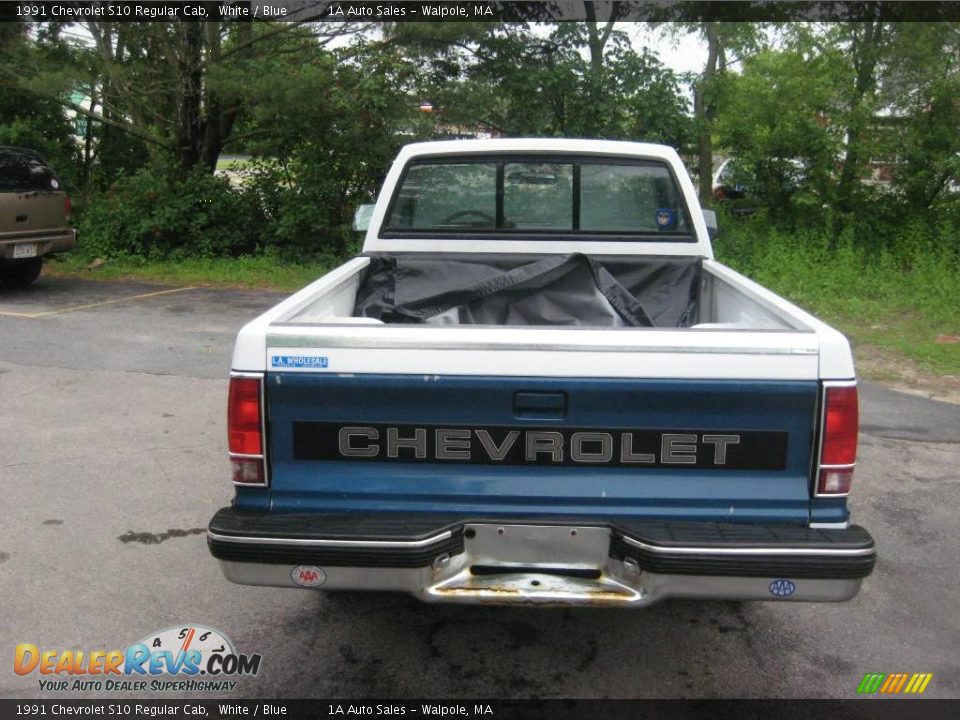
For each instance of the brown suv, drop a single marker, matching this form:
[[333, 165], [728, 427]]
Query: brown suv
[[34, 214]]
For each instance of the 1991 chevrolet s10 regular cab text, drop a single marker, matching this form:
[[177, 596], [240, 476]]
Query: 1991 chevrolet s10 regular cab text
[[536, 385]]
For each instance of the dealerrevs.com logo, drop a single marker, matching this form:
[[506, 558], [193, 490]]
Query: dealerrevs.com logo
[[189, 658]]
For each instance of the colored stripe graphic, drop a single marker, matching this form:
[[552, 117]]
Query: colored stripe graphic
[[894, 683], [871, 682], [921, 682]]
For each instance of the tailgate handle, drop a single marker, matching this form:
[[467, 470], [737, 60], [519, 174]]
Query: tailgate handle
[[540, 406], [22, 217]]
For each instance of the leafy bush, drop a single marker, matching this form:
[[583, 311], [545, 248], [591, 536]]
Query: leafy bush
[[305, 209], [268, 212], [152, 216]]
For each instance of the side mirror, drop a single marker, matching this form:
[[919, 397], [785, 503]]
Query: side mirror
[[710, 218], [361, 218]]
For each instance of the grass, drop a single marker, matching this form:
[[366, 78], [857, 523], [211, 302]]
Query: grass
[[902, 299], [231, 161]]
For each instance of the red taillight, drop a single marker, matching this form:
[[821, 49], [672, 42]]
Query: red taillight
[[839, 449], [840, 422], [245, 429], [67, 207], [244, 424]]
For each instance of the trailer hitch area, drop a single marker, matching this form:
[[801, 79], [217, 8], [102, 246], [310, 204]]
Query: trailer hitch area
[[534, 564]]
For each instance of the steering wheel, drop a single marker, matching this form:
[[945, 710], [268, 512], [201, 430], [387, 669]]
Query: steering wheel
[[482, 218]]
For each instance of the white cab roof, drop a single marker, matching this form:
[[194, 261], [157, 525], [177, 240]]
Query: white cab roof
[[522, 146], [540, 145]]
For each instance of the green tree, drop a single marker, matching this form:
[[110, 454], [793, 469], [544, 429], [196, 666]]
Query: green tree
[[597, 78], [921, 89], [861, 118], [774, 120], [167, 83], [27, 120], [864, 44], [324, 136], [520, 83]]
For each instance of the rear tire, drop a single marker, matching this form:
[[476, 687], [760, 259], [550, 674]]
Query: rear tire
[[21, 274]]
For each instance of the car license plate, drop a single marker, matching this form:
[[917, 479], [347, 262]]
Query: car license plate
[[24, 250]]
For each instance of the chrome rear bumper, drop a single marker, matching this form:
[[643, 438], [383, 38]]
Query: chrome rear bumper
[[532, 588], [503, 563]]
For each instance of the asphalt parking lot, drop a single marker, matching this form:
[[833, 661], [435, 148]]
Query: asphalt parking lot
[[112, 460]]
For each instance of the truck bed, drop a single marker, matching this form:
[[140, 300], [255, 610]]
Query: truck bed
[[734, 329], [547, 291]]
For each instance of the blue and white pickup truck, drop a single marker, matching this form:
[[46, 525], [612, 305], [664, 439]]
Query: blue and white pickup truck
[[536, 385]]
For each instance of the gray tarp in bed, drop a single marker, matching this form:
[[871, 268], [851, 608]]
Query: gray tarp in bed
[[651, 291]]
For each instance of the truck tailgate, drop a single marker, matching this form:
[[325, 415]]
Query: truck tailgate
[[30, 211], [718, 450]]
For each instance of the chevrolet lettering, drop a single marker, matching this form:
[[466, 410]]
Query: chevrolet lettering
[[536, 385], [506, 446]]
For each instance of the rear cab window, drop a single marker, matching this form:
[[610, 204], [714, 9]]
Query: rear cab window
[[25, 172], [521, 197]]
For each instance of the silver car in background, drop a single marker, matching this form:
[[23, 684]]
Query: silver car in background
[[34, 216]]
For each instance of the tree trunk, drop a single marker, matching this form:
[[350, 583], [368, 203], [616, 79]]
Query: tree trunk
[[865, 50], [219, 120], [88, 146], [110, 41], [597, 42], [704, 138], [189, 134], [213, 134]]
